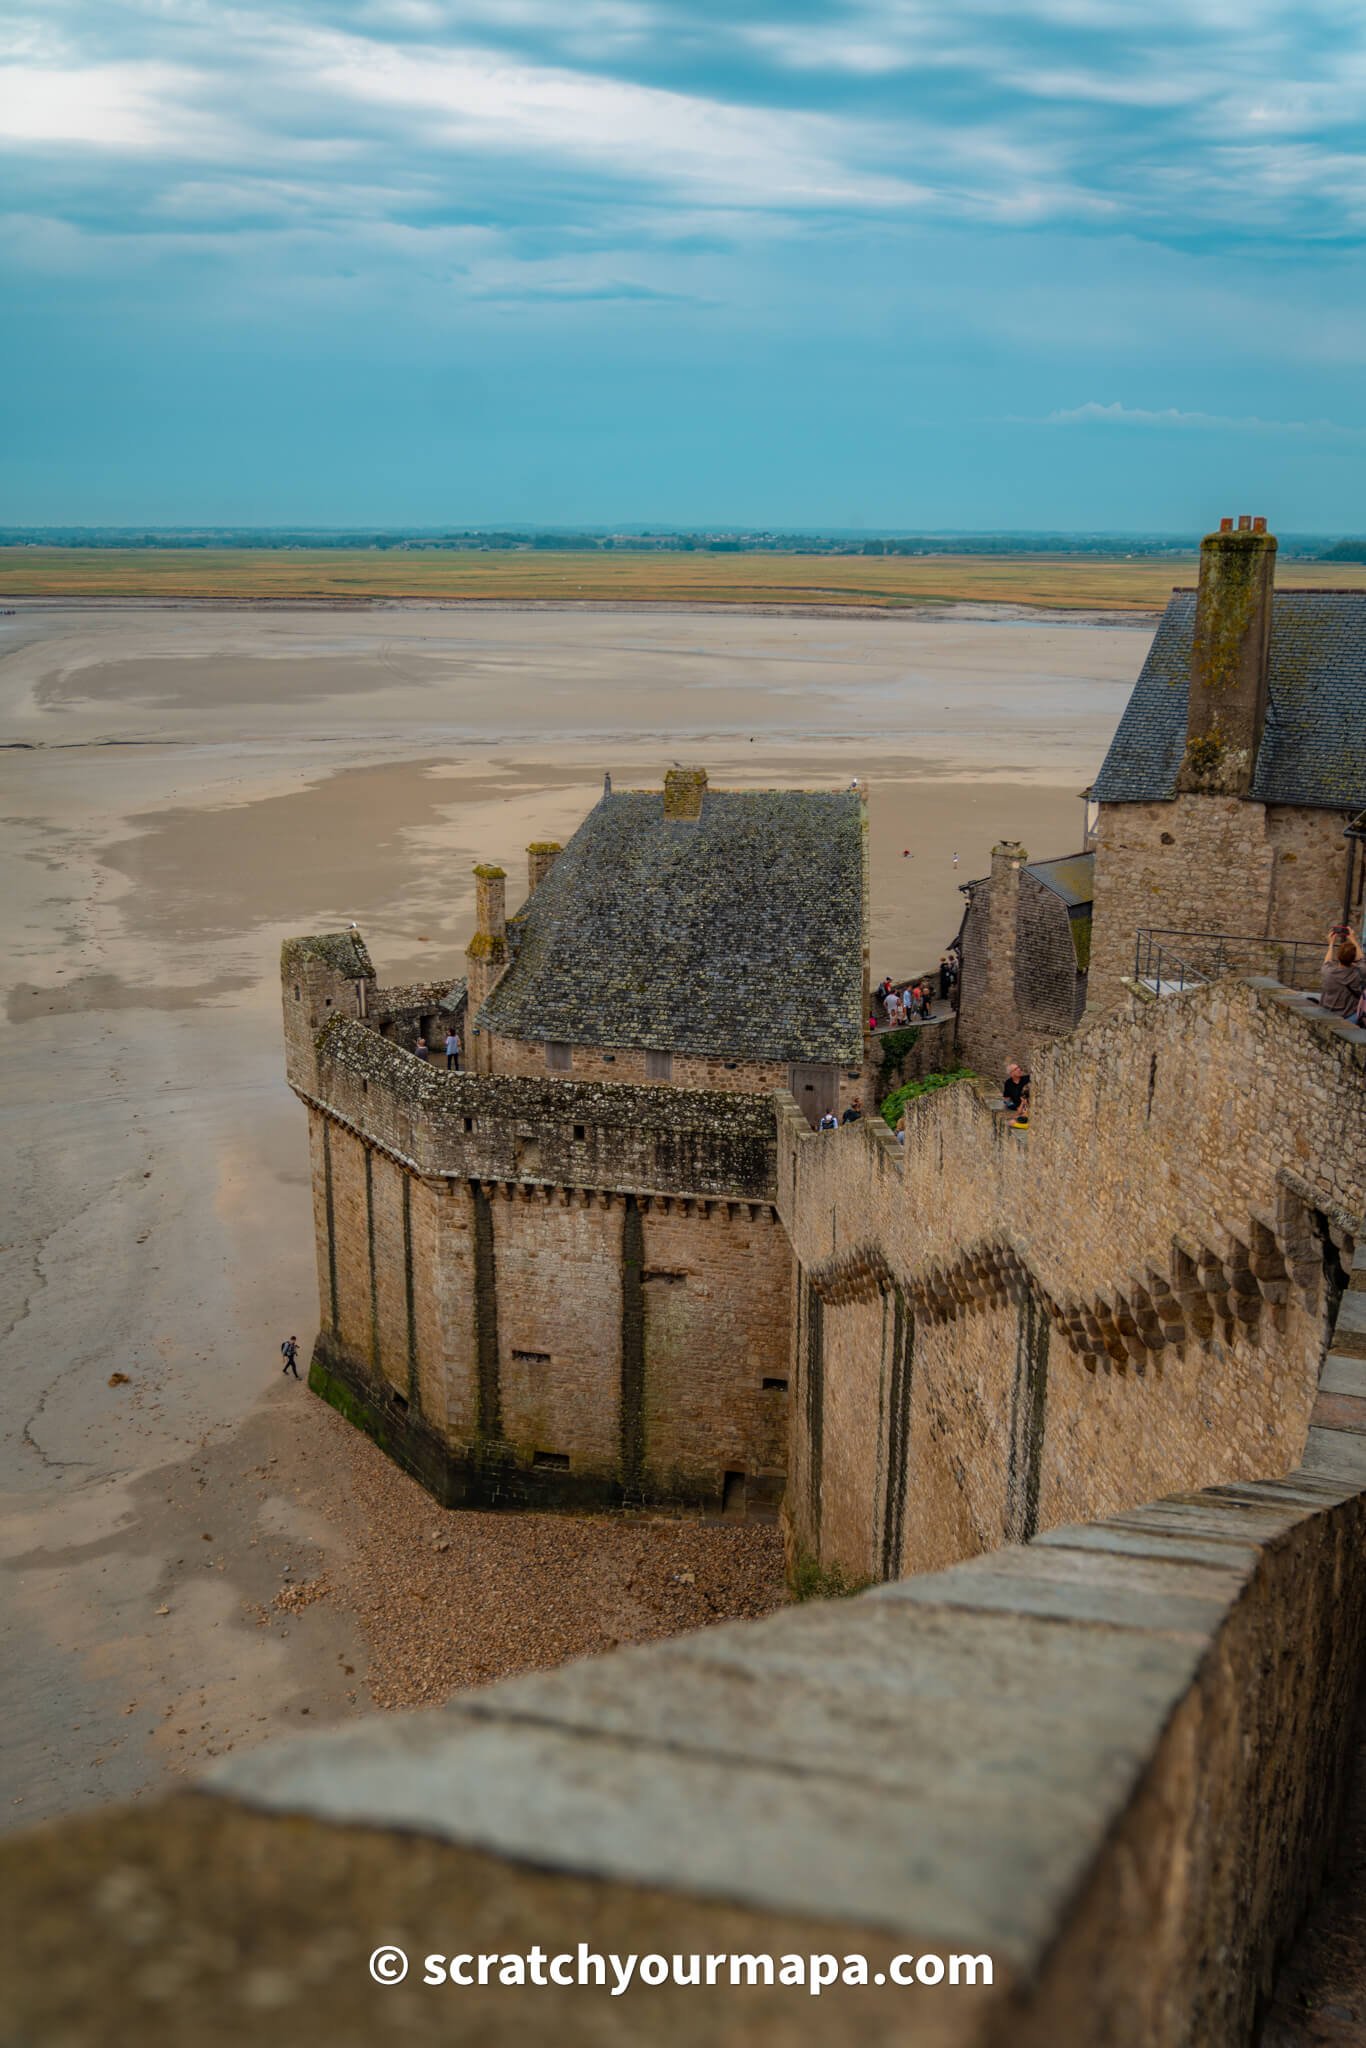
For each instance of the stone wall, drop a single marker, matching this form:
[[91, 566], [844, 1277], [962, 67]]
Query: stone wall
[[1209, 864], [542, 1290], [634, 1066], [1131, 1295]]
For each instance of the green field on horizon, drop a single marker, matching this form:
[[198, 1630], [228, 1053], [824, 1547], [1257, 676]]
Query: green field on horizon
[[1067, 583]]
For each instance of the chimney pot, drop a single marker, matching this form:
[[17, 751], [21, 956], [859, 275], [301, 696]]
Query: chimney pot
[[1244, 523], [1225, 526]]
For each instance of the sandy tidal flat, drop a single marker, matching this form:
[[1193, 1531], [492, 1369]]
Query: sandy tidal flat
[[182, 790]]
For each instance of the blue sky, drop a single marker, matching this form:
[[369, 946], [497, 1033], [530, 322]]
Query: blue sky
[[890, 263]]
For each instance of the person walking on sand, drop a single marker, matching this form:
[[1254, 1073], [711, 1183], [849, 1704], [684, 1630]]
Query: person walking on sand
[[289, 1351]]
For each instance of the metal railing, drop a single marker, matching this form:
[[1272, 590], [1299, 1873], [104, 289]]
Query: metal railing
[[1168, 962]]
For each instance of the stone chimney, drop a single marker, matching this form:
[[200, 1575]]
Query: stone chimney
[[684, 789], [1229, 658], [486, 959], [541, 856]]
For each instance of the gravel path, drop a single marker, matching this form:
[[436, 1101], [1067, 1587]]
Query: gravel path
[[450, 1599]]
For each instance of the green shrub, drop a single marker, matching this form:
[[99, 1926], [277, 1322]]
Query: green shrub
[[896, 1044], [899, 1097]]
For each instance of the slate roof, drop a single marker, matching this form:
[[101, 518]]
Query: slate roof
[[1313, 749], [1072, 877], [736, 936]]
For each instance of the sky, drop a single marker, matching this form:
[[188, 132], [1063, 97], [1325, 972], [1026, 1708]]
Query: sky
[[894, 264]]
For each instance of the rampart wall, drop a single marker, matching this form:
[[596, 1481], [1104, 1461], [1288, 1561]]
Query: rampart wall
[[997, 1331], [540, 1290]]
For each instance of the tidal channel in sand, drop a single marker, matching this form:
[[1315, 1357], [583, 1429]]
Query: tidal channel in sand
[[183, 788]]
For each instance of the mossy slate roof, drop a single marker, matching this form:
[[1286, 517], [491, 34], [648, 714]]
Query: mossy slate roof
[[737, 936], [1313, 749]]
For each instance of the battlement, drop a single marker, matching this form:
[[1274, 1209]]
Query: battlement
[[602, 1135]]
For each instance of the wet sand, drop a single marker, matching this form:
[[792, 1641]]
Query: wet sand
[[180, 791]]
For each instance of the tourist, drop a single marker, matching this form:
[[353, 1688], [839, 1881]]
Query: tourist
[[872, 1020], [945, 977], [1342, 981], [896, 1015], [854, 1113], [829, 1122], [421, 1047], [452, 1050], [1015, 1094], [289, 1351], [886, 988]]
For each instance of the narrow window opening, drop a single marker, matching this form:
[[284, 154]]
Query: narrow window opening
[[400, 1401], [551, 1461], [609, 1059], [328, 1001], [296, 991], [731, 1065], [531, 1357], [774, 1386], [469, 1123], [580, 1132]]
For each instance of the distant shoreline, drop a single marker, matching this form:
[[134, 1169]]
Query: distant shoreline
[[915, 610]]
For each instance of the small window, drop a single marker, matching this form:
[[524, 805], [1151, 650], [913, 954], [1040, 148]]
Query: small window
[[328, 1001], [400, 1401], [609, 1059], [551, 1461], [469, 1123], [559, 1058], [774, 1386], [731, 1065], [536, 1358], [365, 1087], [296, 991], [659, 1066], [580, 1132]]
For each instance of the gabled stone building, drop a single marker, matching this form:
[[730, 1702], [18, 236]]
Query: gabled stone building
[[1238, 765], [702, 938], [1224, 832], [560, 1277]]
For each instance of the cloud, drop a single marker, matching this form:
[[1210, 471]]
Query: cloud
[[1095, 414]]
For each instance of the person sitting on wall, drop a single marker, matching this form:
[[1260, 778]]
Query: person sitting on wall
[[829, 1122], [854, 1113], [1015, 1094], [1342, 981]]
